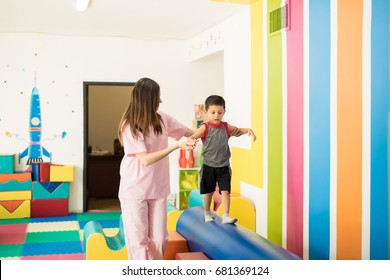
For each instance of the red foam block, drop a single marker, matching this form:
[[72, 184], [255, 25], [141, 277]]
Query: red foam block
[[49, 207]]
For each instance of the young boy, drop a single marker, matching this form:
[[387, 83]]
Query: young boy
[[215, 135]]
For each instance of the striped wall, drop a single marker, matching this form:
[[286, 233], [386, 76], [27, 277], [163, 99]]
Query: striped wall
[[326, 143]]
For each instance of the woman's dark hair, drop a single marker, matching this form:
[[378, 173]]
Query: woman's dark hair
[[141, 114]]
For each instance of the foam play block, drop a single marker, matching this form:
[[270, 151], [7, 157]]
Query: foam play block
[[172, 218], [196, 199], [61, 173], [44, 171], [7, 163], [19, 177], [243, 210], [13, 185], [176, 244], [15, 195], [227, 241], [15, 209], [191, 256], [49, 207], [50, 190], [35, 176], [217, 197], [99, 246]]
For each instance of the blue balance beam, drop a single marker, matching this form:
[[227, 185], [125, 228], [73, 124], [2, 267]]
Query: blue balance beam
[[226, 241]]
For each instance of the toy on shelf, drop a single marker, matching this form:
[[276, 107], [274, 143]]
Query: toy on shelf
[[199, 115], [182, 159], [190, 159], [188, 181]]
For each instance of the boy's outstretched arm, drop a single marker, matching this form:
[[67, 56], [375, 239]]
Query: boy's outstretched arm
[[234, 131], [198, 133], [249, 132]]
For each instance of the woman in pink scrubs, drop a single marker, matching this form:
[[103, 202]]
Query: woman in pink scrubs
[[144, 170]]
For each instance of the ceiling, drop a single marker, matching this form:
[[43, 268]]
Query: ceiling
[[137, 19]]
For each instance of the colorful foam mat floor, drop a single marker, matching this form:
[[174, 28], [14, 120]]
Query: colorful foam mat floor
[[51, 238]]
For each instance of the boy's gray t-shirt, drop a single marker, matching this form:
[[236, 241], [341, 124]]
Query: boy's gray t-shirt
[[215, 144]]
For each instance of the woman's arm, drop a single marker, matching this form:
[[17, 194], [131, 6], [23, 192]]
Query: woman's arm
[[150, 158], [189, 132]]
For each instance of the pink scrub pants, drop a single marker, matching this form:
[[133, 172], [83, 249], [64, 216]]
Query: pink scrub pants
[[145, 226]]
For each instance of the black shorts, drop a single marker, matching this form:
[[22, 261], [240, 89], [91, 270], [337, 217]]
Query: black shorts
[[209, 176]]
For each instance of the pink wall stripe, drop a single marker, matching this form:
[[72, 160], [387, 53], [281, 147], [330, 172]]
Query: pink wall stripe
[[295, 129]]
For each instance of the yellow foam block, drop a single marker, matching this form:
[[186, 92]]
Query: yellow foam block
[[15, 195], [243, 210], [23, 210], [172, 218], [61, 173], [100, 251]]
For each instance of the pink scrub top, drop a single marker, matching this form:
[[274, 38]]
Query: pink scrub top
[[150, 182]]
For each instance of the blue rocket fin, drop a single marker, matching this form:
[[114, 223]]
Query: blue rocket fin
[[23, 154], [46, 153]]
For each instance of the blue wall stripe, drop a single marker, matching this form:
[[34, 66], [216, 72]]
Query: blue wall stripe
[[319, 126], [379, 243]]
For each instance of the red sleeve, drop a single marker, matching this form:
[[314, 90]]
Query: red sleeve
[[227, 128], [206, 131]]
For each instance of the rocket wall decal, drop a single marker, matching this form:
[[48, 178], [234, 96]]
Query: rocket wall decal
[[35, 151]]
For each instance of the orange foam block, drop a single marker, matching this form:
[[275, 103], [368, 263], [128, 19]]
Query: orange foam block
[[18, 177], [176, 244], [191, 256]]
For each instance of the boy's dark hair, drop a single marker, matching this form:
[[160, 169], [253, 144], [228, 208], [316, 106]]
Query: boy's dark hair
[[214, 100]]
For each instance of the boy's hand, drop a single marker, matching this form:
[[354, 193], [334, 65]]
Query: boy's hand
[[251, 133], [189, 144]]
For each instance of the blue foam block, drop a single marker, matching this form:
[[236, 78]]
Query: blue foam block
[[103, 223], [226, 241], [52, 248], [195, 199]]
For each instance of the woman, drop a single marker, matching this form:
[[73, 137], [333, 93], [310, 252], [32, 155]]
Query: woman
[[144, 185]]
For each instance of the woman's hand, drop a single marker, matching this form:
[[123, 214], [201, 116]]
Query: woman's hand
[[188, 144]]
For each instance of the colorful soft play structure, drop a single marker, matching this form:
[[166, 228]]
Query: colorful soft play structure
[[42, 191], [191, 238], [226, 241]]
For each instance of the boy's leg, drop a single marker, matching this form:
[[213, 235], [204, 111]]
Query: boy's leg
[[207, 188], [207, 201], [226, 208]]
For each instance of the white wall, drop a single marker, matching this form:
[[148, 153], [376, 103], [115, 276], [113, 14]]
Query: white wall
[[62, 63], [238, 74]]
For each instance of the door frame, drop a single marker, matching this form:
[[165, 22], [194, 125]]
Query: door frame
[[86, 107]]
